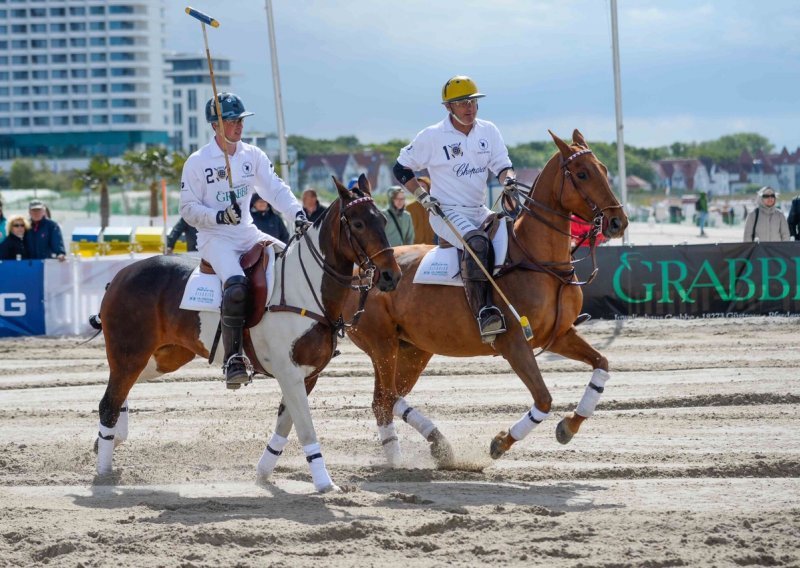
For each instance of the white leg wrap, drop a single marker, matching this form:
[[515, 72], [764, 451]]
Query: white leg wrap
[[319, 473], [592, 393], [122, 425], [391, 444], [269, 459], [105, 449], [413, 417], [528, 422]]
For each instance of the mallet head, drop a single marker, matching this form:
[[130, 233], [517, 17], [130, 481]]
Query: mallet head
[[205, 18]]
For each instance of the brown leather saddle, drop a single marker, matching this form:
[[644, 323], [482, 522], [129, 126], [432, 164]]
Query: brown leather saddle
[[490, 226], [254, 263]]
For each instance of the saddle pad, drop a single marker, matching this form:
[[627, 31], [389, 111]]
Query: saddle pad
[[441, 266], [203, 292]]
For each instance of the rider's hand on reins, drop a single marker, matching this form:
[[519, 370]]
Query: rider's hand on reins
[[230, 216], [301, 223], [429, 202], [510, 183]]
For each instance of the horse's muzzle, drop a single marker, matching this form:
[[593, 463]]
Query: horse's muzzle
[[615, 226], [388, 279]]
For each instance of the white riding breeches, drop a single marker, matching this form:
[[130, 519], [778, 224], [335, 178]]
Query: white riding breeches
[[464, 219], [223, 255]]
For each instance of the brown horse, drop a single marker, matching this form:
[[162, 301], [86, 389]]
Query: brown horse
[[403, 330], [147, 334]]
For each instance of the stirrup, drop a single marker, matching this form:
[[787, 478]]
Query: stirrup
[[491, 329], [239, 379]]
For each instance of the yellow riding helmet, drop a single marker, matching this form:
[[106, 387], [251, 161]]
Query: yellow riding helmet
[[459, 88]]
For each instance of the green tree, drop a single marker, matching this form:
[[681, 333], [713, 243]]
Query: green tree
[[98, 175], [22, 175], [390, 150], [148, 166]]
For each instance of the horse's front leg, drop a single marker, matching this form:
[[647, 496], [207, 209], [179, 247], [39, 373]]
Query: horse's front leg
[[293, 388], [575, 347], [515, 349], [283, 427]]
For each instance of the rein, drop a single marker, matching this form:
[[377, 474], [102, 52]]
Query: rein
[[363, 281]]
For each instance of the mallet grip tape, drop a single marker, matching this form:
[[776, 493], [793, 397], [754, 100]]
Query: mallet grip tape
[[206, 19]]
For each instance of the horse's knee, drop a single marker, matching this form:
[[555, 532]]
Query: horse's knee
[[108, 414]]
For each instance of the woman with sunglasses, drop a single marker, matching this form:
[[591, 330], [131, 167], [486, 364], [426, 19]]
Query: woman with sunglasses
[[13, 247], [766, 223]]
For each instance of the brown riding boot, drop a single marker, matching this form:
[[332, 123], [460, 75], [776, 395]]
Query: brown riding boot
[[476, 286], [234, 301]]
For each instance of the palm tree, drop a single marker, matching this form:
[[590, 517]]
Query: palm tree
[[98, 175], [149, 166]]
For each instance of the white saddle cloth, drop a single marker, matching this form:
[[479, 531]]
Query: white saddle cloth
[[440, 266], [203, 292]]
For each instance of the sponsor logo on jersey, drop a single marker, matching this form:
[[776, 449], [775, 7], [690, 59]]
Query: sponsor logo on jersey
[[484, 146], [452, 150], [465, 169], [221, 172], [247, 169]]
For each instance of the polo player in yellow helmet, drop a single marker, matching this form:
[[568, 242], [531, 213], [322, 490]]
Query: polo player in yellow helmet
[[459, 153]]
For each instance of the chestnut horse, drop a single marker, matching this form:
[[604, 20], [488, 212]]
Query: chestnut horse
[[147, 334], [401, 331]]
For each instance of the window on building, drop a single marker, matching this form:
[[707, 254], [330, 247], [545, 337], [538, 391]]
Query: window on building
[[38, 28], [97, 10], [79, 89], [123, 72], [3, 44], [5, 122], [38, 13], [97, 26], [39, 43], [19, 44], [4, 75], [41, 105], [19, 60], [21, 105], [58, 43], [39, 59], [4, 30], [122, 56], [123, 88], [77, 41], [98, 56], [77, 26], [37, 90], [24, 90], [60, 89], [58, 27], [100, 103], [41, 121], [123, 118], [99, 72], [5, 107], [192, 148], [192, 127], [19, 13], [100, 119], [97, 42], [59, 73], [19, 29], [60, 105], [20, 75], [121, 41], [80, 104], [100, 88], [60, 120], [77, 57], [40, 74], [80, 119], [121, 25], [58, 58], [22, 121], [120, 9], [77, 11], [177, 113], [192, 99], [123, 103], [58, 11]]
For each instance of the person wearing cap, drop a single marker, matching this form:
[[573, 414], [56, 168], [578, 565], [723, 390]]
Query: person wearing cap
[[399, 225], [766, 223], [459, 153], [224, 226], [311, 205], [267, 220], [43, 239]]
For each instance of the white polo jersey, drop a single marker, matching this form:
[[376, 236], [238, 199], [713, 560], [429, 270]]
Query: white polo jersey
[[205, 191], [458, 163]]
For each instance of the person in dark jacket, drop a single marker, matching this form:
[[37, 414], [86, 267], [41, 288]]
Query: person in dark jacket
[[267, 220], [44, 238], [179, 229], [13, 246], [311, 205], [794, 219]]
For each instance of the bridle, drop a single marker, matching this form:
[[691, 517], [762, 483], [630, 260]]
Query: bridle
[[362, 281], [529, 205]]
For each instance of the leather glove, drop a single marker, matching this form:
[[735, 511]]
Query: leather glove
[[430, 203], [230, 216], [301, 223], [509, 182]]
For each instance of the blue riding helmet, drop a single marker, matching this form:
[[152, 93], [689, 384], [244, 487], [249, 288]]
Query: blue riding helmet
[[231, 105], [352, 183]]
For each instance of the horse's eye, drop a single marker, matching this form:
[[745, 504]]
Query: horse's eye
[[358, 225], [582, 175]]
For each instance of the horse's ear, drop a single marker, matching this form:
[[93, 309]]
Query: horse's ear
[[364, 185], [565, 150], [577, 138], [344, 193]]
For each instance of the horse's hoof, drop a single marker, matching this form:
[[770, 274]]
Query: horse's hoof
[[441, 450], [499, 445], [563, 433], [332, 488]]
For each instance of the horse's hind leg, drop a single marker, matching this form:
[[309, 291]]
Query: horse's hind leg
[[280, 437], [573, 346]]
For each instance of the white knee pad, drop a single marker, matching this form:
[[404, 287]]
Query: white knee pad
[[269, 459], [413, 417], [391, 444], [319, 473], [592, 393], [527, 423], [105, 449]]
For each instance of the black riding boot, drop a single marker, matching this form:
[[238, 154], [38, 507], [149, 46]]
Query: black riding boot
[[476, 285], [234, 302]]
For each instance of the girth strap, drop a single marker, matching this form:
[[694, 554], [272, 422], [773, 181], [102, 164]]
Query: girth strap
[[300, 311]]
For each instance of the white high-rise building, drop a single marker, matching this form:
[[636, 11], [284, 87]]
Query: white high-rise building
[[82, 77], [191, 89]]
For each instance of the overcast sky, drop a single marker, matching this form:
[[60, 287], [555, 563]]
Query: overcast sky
[[691, 70]]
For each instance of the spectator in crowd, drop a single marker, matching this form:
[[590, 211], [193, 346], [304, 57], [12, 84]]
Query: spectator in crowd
[[267, 220], [400, 228], [43, 239], [423, 232], [766, 223], [3, 228], [14, 247], [794, 219], [179, 229], [702, 212], [311, 205]]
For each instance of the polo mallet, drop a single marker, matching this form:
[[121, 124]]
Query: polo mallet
[[206, 19], [523, 320]]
